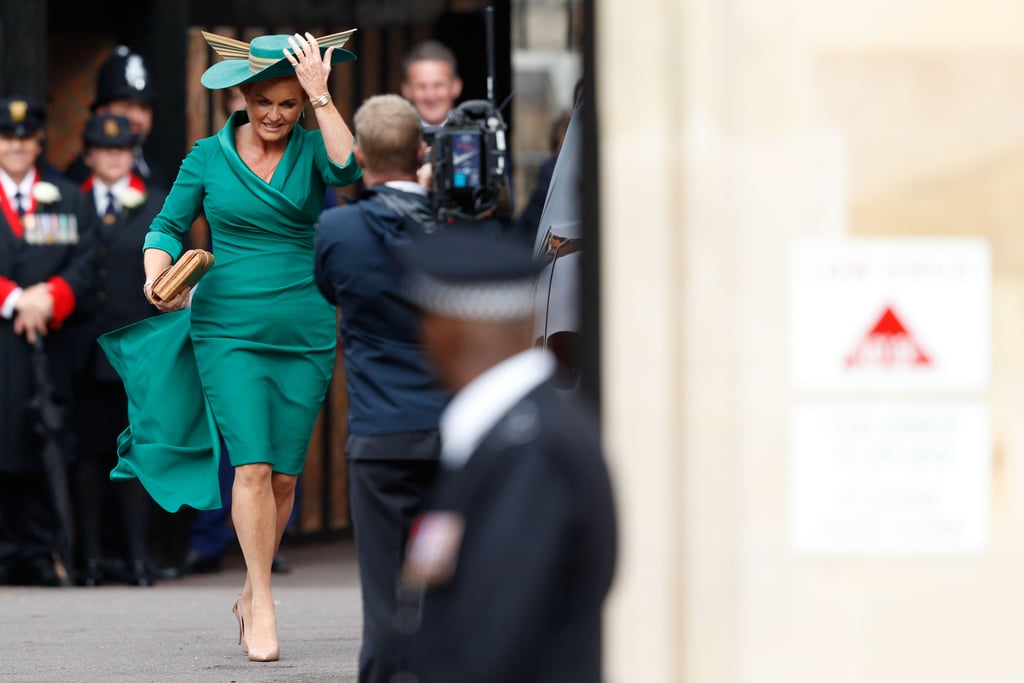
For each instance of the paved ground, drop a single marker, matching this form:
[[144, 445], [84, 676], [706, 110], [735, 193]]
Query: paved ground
[[183, 630]]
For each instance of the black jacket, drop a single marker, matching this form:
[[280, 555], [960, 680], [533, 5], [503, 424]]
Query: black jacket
[[25, 263], [390, 384], [536, 557], [117, 299]]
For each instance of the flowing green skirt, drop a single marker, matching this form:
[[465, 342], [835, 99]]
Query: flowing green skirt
[[171, 444]]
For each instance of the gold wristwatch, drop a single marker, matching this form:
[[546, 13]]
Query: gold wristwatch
[[321, 101]]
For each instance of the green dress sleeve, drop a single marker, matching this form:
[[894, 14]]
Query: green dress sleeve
[[332, 173], [184, 203]]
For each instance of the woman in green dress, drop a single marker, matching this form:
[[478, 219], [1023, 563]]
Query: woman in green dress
[[250, 358]]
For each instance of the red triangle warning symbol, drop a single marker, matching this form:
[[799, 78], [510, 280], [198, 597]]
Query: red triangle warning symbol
[[888, 344]]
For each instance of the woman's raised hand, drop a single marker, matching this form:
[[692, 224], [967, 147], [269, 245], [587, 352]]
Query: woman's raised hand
[[311, 69]]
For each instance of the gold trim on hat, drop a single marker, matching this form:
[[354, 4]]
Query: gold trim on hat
[[230, 48], [111, 129], [336, 39], [258, 64]]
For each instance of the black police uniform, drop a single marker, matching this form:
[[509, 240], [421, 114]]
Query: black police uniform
[[54, 243], [122, 77], [535, 560], [101, 408], [507, 571]]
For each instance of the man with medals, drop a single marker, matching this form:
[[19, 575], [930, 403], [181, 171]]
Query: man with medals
[[47, 233], [125, 206]]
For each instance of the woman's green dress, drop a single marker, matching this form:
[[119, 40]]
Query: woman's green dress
[[252, 359]]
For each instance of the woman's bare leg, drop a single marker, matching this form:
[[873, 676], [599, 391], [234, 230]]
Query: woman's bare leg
[[260, 521]]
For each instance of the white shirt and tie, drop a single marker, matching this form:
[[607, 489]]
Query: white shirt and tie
[[20, 197], [104, 195], [19, 194]]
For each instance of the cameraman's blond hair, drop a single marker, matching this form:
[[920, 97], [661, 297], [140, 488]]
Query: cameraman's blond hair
[[388, 135]]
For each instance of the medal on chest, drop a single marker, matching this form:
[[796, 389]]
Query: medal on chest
[[50, 228]]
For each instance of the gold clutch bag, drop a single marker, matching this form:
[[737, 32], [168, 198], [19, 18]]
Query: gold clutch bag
[[189, 269]]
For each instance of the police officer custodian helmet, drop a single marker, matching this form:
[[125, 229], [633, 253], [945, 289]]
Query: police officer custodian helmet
[[471, 274], [123, 77], [108, 130], [21, 116]]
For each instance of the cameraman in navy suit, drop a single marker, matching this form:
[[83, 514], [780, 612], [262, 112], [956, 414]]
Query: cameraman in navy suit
[[394, 403]]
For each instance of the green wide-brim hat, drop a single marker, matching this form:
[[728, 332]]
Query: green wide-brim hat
[[262, 58]]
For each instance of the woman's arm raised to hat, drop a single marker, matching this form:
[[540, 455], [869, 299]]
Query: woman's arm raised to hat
[[312, 70]]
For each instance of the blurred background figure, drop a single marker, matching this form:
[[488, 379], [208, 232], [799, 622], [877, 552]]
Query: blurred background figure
[[124, 88], [525, 227], [47, 232], [430, 80], [210, 532], [125, 205], [233, 100], [394, 404], [507, 571]]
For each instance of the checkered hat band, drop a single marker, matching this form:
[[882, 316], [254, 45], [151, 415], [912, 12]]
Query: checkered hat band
[[494, 300]]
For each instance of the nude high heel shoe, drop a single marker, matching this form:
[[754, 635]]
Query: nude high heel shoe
[[241, 627], [268, 653], [264, 654]]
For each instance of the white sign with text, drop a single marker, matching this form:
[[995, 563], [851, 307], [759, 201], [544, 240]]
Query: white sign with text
[[890, 479], [890, 315]]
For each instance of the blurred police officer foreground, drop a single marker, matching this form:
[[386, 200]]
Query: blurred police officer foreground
[[508, 568]]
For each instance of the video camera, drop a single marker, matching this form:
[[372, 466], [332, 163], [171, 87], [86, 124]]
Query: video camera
[[468, 152], [468, 160]]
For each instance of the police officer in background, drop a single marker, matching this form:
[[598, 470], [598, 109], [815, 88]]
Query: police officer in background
[[507, 570], [47, 233], [124, 88], [125, 205]]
